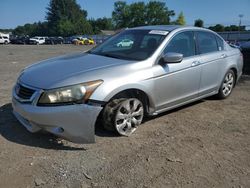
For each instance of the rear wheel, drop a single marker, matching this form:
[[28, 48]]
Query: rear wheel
[[123, 115], [227, 85]]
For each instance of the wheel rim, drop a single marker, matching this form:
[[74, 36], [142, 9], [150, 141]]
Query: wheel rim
[[129, 116], [228, 84]]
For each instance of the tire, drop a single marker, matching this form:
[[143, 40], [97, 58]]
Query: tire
[[86, 42], [227, 85], [5, 42], [123, 115]]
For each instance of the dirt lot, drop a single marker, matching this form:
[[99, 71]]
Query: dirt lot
[[205, 144]]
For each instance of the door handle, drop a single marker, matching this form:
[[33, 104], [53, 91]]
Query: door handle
[[223, 56], [195, 63]]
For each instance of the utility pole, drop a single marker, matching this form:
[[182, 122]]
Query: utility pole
[[240, 16]]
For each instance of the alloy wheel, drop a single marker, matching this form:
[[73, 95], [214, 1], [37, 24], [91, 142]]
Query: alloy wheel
[[228, 84], [129, 116]]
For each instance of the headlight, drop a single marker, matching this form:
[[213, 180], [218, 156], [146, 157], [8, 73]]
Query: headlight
[[75, 94]]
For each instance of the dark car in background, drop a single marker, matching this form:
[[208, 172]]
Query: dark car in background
[[245, 49], [20, 40], [54, 40]]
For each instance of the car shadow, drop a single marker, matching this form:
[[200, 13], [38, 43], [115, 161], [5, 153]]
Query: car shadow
[[100, 131], [13, 131]]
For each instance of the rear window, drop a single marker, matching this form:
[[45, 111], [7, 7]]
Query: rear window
[[207, 42]]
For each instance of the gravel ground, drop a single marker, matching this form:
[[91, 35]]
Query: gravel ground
[[204, 144]]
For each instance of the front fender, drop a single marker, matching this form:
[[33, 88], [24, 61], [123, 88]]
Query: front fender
[[106, 93]]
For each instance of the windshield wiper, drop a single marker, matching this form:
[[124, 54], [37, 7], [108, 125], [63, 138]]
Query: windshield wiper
[[109, 55], [113, 56]]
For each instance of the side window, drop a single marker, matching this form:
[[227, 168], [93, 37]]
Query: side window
[[220, 43], [0, 37], [182, 43], [207, 42]]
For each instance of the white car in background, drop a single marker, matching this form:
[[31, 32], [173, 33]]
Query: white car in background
[[37, 40], [4, 40], [125, 43]]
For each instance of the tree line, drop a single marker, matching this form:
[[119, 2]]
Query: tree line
[[220, 27], [66, 18]]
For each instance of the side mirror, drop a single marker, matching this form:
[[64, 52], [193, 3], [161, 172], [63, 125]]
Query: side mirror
[[172, 57]]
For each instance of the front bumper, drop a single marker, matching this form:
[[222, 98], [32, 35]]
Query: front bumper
[[75, 123]]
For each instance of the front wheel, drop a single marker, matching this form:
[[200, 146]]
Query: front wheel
[[123, 115], [227, 85]]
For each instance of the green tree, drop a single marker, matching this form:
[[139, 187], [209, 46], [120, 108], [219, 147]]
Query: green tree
[[39, 28], [101, 24], [235, 28], [120, 15], [157, 13], [181, 19], [62, 13], [136, 14], [199, 23], [139, 13], [217, 28]]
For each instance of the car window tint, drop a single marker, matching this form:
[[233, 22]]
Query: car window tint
[[126, 43], [138, 45], [182, 43], [207, 42], [220, 43], [148, 40]]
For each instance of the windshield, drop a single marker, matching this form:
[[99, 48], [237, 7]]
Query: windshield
[[131, 44]]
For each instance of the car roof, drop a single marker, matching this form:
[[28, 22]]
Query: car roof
[[166, 27], [158, 27]]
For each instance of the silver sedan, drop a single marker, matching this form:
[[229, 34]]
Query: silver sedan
[[163, 68]]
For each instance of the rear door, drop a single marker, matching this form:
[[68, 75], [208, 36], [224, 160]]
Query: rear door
[[211, 59]]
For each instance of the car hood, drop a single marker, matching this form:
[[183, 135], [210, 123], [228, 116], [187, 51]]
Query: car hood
[[47, 74]]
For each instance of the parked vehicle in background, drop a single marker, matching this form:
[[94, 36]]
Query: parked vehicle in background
[[20, 40], [4, 40], [54, 40], [83, 41], [164, 68], [245, 49], [37, 40], [125, 43], [100, 38]]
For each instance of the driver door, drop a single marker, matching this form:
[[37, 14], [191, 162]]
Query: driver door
[[177, 83]]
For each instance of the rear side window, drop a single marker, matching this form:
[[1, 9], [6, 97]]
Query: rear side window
[[206, 42], [220, 43], [182, 43]]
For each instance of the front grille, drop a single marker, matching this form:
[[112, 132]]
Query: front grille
[[24, 92]]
